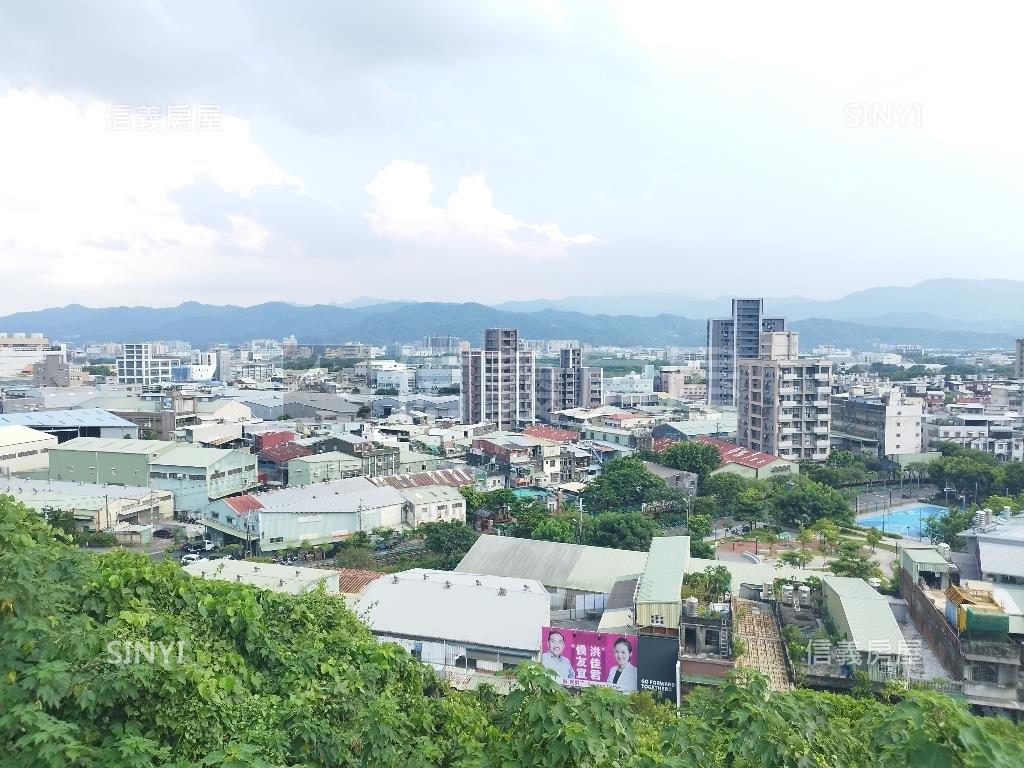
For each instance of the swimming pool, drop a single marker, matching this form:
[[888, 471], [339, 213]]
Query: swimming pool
[[907, 520]]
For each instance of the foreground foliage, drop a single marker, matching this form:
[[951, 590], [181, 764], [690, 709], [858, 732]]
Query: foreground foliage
[[271, 680]]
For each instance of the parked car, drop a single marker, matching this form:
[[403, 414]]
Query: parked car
[[191, 558]]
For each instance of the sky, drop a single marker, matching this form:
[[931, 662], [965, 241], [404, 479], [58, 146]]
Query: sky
[[247, 151]]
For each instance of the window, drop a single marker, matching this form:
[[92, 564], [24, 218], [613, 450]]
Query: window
[[276, 539]]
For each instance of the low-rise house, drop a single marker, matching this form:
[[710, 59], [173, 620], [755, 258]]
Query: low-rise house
[[322, 513], [749, 463], [323, 467], [524, 460], [432, 504]]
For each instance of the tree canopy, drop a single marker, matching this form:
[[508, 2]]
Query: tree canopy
[[692, 456], [266, 679]]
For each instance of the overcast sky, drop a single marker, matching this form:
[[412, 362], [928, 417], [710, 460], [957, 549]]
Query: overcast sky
[[239, 152]]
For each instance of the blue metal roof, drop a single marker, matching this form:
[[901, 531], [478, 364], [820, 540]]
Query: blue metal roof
[[79, 417]]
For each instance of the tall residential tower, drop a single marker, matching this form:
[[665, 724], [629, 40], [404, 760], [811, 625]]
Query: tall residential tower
[[570, 385], [783, 401], [498, 381], [735, 338]]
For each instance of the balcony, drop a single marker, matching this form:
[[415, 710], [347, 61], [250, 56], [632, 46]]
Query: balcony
[[819, 456], [787, 390], [823, 390], [821, 403], [822, 376], [789, 431], [819, 430]]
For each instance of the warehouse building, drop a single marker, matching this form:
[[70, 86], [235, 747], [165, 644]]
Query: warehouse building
[[94, 507], [578, 578], [68, 424], [194, 475], [270, 576], [323, 468], [24, 450], [472, 622]]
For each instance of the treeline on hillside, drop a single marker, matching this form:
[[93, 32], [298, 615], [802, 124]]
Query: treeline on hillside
[[258, 679]]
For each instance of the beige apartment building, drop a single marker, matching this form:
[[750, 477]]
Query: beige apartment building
[[784, 401]]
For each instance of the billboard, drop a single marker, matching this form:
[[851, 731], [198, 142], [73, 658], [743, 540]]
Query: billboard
[[659, 655], [581, 658]]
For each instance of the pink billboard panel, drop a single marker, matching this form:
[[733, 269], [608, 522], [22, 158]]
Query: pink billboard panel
[[580, 658]]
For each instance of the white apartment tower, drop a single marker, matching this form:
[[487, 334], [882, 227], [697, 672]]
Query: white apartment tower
[[138, 365], [1018, 367], [783, 401], [732, 339], [498, 381]]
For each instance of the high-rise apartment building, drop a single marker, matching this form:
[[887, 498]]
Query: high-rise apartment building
[[139, 364], [885, 422], [570, 385], [735, 338], [783, 401], [498, 381], [1018, 368]]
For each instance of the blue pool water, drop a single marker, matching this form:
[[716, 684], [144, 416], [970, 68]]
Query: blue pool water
[[530, 493], [906, 521]]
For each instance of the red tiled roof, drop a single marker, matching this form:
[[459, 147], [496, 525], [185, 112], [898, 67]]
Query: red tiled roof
[[454, 478], [659, 444], [353, 581], [735, 454], [243, 504], [282, 453], [552, 433]]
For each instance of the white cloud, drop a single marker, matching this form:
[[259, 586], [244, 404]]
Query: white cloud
[[87, 203], [403, 208]]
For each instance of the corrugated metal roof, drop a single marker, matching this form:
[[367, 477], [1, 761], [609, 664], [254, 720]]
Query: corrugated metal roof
[[186, 455], [925, 555], [456, 478], [552, 563], [330, 457], [338, 496], [430, 493], [662, 579], [79, 417], [1001, 559], [868, 615], [15, 434], [354, 580], [112, 445], [460, 607]]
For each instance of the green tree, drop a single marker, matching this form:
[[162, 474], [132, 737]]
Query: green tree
[[1013, 477], [623, 483], [807, 501], [724, 486], [555, 529], [699, 526], [692, 456], [708, 585], [874, 538], [529, 515], [948, 525], [753, 504], [619, 530], [798, 558], [448, 539]]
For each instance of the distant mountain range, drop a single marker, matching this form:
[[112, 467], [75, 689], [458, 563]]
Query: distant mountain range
[[985, 306], [935, 314]]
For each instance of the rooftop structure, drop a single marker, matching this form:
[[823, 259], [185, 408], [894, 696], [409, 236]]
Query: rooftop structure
[[460, 608], [276, 578], [553, 564]]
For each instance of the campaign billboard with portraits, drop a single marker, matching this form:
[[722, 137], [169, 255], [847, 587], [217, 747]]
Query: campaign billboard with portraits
[[580, 658]]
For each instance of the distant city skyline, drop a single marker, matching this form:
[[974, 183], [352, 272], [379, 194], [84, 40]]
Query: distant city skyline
[[237, 153]]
